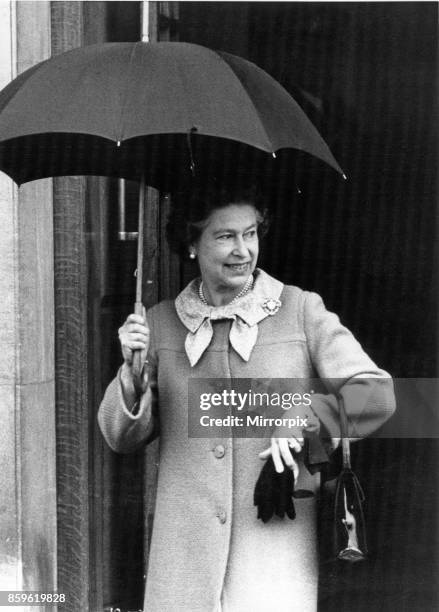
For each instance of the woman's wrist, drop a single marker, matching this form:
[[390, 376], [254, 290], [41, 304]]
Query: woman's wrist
[[127, 384]]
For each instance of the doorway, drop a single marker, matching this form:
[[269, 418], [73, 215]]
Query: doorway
[[367, 246]]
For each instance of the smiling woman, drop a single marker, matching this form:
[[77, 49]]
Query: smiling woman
[[209, 551], [221, 228], [227, 252]]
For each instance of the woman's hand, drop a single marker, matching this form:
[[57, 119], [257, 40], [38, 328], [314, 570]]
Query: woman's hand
[[134, 335], [288, 440], [282, 448]]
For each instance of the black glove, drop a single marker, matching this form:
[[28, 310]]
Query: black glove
[[274, 492]]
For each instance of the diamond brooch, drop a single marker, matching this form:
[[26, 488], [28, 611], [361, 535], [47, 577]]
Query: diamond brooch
[[271, 306]]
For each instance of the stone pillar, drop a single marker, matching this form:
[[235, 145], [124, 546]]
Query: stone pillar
[[27, 396]]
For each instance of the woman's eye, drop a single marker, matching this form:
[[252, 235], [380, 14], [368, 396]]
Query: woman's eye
[[225, 237], [250, 234]]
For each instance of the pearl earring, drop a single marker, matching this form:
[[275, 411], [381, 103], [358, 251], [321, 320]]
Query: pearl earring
[[192, 254]]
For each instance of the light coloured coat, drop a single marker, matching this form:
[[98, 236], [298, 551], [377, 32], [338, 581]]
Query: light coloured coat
[[208, 548]]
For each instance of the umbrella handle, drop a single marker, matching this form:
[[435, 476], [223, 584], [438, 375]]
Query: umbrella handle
[[137, 365]]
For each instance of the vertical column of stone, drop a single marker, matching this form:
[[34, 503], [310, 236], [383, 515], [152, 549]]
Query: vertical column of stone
[[71, 350]]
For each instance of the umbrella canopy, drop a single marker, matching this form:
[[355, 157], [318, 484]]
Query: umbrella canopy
[[143, 109], [146, 111]]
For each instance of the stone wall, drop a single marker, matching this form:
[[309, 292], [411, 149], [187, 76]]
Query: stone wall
[[27, 394]]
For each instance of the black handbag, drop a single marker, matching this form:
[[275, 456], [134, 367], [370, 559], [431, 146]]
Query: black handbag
[[342, 526]]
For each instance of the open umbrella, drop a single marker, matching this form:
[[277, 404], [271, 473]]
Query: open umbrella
[[142, 111]]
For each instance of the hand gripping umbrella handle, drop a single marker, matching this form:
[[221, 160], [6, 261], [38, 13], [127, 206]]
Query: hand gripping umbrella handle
[[138, 364], [137, 367]]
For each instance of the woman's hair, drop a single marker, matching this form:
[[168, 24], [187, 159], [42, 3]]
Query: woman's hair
[[191, 210]]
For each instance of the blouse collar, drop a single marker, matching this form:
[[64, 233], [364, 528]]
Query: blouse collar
[[246, 312]]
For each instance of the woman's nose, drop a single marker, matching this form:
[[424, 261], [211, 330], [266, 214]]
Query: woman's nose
[[240, 248]]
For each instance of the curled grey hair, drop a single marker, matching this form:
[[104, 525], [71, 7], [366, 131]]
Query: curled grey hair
[[191, 210]]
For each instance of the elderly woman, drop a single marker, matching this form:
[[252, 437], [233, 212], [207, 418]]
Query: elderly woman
[[209, 551]]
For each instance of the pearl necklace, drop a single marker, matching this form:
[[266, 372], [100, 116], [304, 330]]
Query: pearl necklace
[[247, 287]]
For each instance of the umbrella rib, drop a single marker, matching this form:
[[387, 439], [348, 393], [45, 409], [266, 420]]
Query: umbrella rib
[[126, 97], [179, 73], [329, 158], [261, 123], [21, 79], [190, 124]]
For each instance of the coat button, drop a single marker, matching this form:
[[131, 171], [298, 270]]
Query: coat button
[[222, 516], [219, 451]]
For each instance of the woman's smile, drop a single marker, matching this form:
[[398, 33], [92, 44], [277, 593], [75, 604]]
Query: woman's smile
[[239, 268]]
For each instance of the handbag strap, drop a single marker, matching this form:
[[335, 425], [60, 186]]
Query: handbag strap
[[345, 443]]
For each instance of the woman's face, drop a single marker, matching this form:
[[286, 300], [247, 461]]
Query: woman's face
[[228, 247]]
